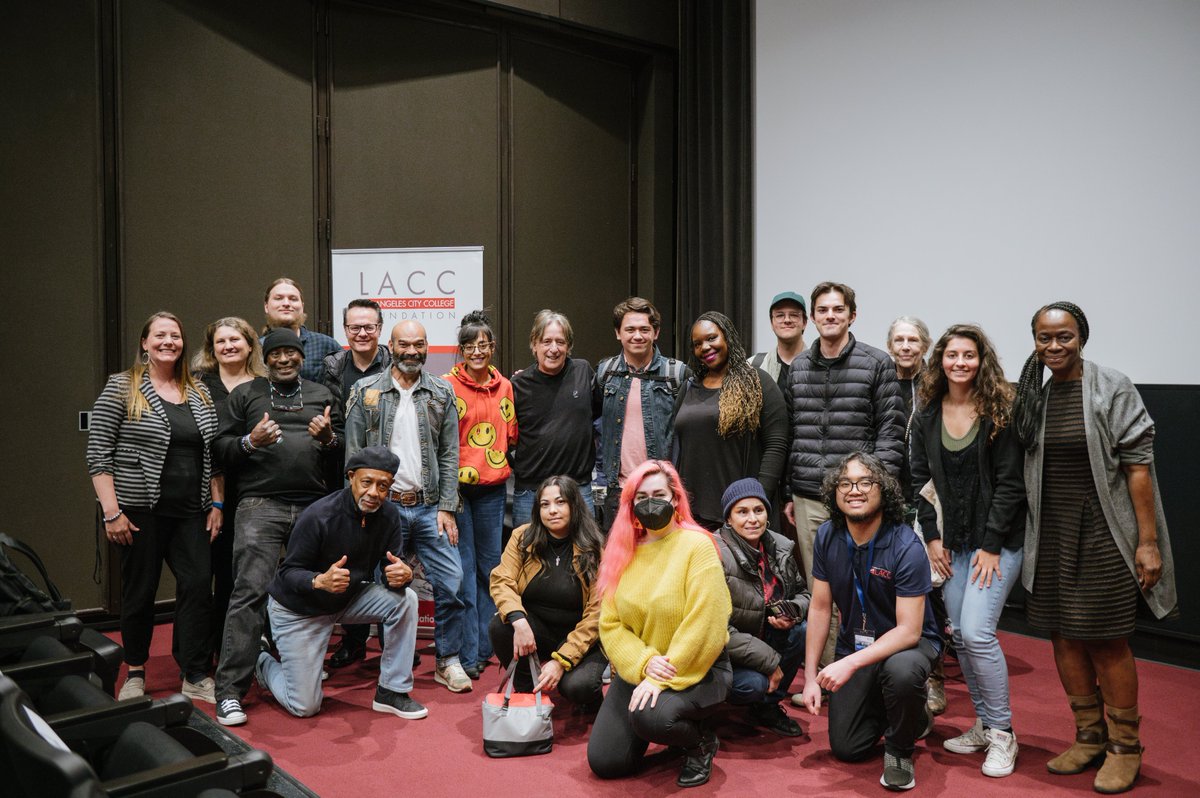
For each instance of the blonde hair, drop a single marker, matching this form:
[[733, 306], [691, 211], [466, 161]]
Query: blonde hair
[[135, 400], [205, 361]]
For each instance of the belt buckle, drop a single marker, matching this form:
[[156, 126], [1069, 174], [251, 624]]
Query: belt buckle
[[408, 498]]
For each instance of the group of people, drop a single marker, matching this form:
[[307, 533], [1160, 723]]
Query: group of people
[[699, 531]]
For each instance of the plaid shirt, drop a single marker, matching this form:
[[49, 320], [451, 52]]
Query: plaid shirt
[[316, 346]]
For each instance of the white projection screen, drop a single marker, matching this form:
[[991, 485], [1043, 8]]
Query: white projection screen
[[972, 160]]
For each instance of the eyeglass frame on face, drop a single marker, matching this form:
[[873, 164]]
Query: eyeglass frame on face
[[359, 329], [477, 347], [864, 485]]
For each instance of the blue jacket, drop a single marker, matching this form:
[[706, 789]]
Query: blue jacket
[[372, 409], [660, 384]]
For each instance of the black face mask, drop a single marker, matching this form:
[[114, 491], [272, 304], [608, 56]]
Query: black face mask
[[654, 513]]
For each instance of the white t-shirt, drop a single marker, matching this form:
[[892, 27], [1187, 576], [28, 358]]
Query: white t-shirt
[[405, 442]]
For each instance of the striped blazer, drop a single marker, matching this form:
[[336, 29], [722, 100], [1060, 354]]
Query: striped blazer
[[133, 452]]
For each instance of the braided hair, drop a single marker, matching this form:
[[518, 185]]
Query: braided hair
[[740, 403], [1027, 408]]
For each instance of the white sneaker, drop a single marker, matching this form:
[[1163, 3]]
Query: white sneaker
[[1001, 753], [972, 741], [453, 676], [203, 690], [134, 687]]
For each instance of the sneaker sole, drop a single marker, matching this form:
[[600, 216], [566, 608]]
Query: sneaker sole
[[898, 787], [465, 689], [208, 699], [388, 708], [232, 721], [999, 774], [958, 748]]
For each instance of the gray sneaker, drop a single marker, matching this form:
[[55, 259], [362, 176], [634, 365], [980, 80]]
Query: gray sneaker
[[453, 677], [898, 772], [203, 690], [134, 687], [972, 741]]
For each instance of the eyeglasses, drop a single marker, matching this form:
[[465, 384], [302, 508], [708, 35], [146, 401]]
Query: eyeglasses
[[482, 349], [369, 329], [863, 485]]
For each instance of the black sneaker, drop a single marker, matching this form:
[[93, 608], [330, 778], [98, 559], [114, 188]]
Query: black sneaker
[[398, 704], [898, 772], [230, 712], [349, 652], [772, 717], [473, 672], [697, 763]]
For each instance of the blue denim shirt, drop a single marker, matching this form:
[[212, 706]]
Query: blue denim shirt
[[658, 401], [372, 409]]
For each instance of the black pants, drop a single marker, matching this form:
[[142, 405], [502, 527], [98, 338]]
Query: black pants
[[884, 699], [580, 685], [620, 737], [183, 544], [222, 576]]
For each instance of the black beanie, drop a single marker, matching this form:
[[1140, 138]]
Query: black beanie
[[281, 336], [743, 489], [379, 458]]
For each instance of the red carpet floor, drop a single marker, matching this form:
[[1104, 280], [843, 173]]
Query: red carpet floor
[[349, 750]]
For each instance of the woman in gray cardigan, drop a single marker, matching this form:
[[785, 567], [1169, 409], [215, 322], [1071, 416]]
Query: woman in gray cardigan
[[1095, 537], [150, 458]]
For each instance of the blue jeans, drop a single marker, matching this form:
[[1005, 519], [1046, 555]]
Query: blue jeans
[[974, 613], [750, 686], [262, 528], [444, 571], [522, 510], [295, 678], [480, 526]]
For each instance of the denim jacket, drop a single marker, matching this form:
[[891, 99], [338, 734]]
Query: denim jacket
[[660, 383], [372, 409]]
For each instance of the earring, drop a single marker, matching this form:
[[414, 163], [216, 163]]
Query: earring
[[145, 358]]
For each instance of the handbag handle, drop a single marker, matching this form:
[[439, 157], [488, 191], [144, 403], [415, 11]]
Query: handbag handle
[[535, 666]]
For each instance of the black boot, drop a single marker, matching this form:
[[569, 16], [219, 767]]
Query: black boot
[[349, 652], [697, 763]]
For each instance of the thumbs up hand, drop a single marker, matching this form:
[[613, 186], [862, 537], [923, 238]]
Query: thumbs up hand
[[397, 572], [265, 432], [336, 579], [321, 427]]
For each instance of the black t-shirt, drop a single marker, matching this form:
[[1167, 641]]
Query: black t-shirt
[[784, 370], [554, 595], [179, 494], [554, 420]]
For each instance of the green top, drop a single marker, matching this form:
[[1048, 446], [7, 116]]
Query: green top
[[953, 444]]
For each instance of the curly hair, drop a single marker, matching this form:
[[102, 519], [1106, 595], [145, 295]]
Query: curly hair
[[892, 505], [991, 391], [585, 534], [741, 401], [1027, 408]]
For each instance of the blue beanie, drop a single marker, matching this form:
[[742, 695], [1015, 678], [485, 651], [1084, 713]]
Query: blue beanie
[[743, 489]]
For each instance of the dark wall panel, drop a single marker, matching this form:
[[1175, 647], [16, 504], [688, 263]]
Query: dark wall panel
[[415, 140], [571, 191], [217, 157], [50, 283]]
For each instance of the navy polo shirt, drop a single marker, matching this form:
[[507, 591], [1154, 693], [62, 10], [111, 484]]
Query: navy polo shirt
[[899, 567]]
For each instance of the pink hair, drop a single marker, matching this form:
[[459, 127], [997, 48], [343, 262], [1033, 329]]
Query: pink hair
[[626, 532]]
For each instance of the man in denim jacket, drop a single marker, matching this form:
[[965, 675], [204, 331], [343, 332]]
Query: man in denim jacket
[[412, 413], [636, 390]]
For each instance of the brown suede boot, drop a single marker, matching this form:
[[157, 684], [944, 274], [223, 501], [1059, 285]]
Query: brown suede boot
[[1123, 759], [935, 688], [1090, 737]]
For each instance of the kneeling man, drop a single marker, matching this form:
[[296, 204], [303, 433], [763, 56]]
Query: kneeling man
[[873, 567], [327, 577]]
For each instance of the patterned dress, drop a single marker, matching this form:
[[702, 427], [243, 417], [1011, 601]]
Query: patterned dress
[[1082, 588]]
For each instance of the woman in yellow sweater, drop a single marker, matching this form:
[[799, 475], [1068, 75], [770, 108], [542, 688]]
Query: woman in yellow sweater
[[664, 619]]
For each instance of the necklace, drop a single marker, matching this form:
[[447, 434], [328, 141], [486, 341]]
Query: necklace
[[287, 407], [558, 551]]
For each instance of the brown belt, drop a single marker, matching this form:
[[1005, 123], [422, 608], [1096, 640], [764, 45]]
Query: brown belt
[[407, 498]]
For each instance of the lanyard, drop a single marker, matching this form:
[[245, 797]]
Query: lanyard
[[858, 586]]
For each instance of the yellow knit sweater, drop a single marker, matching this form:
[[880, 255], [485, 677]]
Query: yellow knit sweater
[[671, 600]]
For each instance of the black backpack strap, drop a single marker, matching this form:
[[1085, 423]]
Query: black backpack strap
[[20, 546]]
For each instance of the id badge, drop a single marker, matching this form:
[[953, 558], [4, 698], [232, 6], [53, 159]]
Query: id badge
[[863, 636]]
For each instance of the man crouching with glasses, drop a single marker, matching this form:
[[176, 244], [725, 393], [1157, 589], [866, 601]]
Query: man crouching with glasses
[[327, 577], [874, 568]]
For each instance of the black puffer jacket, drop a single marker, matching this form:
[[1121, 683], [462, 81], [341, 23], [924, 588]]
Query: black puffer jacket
[[748, 621], [851, 405]]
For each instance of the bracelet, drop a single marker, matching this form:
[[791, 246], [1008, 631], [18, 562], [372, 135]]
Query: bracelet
[[218, 505], [247, 446], [113, 517], [561, 660], [332, 442]]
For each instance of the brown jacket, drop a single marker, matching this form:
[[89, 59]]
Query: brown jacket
[[508, 583]]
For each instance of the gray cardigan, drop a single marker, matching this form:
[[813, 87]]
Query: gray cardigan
[[1119, 432]]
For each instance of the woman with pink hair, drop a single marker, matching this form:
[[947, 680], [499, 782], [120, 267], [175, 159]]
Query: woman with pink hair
[[664, 620]]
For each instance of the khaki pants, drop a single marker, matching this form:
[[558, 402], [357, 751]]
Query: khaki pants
[[810, 514]]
